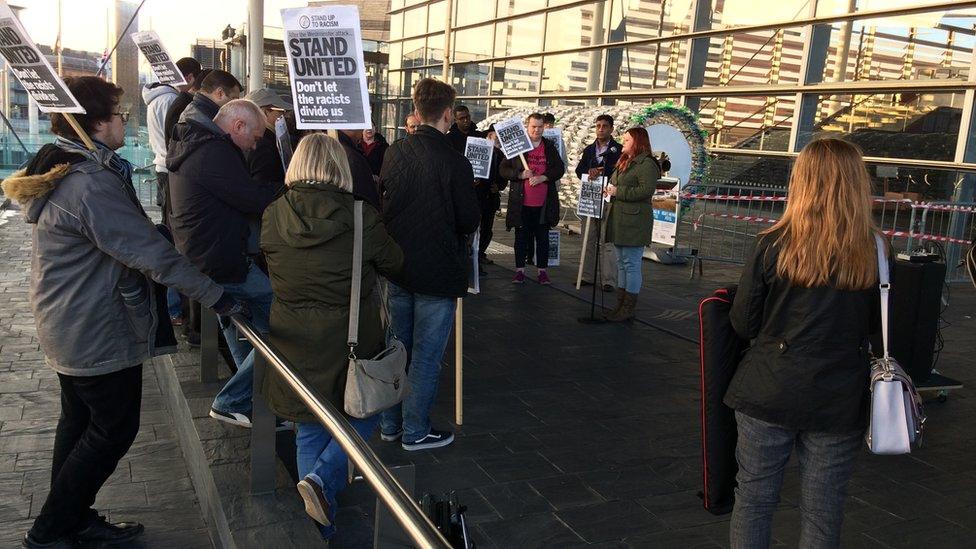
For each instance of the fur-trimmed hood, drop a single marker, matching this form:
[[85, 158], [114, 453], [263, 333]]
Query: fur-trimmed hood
[[31, 186], [24, 188]]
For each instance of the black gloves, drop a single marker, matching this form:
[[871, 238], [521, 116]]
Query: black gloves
[[228, 306]]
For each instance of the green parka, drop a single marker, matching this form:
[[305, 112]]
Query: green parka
[[307, 237], [631, 214]]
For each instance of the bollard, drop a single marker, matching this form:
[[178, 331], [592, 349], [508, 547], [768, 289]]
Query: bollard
[[262, 434], [208, 346]]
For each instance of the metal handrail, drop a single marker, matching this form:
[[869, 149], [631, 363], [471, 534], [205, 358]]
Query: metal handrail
[[402, 506]]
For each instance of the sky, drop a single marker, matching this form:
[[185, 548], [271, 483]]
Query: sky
[[178, 22]]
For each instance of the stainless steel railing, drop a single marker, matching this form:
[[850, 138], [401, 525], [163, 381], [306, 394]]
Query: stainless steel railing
[[401, 505]]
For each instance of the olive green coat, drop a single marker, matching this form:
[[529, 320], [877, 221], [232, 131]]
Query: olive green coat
[[631, 215], [307, 237]]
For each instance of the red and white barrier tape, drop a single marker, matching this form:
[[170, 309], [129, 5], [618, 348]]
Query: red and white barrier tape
[[755, 198], [922, 236], [750, 218], [892, 233]]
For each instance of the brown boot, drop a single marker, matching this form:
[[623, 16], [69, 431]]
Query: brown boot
[[621, 294], [626, 310]]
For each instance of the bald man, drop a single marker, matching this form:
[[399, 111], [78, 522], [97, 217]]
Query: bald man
[[212, 196]]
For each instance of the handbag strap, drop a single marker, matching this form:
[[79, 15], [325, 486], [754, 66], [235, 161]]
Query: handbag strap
[[884, 286], [357, 277]]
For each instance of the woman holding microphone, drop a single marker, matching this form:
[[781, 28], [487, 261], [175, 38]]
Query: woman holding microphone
[[631, 217]]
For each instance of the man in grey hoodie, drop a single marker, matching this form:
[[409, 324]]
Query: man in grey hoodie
[[98, 271]]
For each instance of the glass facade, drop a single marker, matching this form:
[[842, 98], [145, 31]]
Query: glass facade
[[899, 74]]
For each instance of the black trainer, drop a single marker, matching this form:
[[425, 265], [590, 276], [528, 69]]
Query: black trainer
[[391, 437], [434, 439], [101, 531], [234, 418], [31, 543]]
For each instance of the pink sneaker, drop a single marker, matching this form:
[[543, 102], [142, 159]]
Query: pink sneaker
[[544, 278], [519, 278]]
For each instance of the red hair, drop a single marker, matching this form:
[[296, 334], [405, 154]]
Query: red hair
[[642, 144]]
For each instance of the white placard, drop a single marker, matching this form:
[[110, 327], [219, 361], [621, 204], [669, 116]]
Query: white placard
[[478, 151], [556, 136], [284, 141], [325, 63], [162, 64], [590, 200], [553, 248], [474, 278], [31, 67], [513, 137], [665, 228]]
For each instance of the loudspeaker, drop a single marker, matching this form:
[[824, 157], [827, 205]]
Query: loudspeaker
[[916, 301]]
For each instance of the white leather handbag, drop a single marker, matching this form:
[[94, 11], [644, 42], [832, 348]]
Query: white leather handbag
[[897, 417]]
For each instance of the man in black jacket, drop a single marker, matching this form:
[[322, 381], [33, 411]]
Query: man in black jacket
[[363, 183], [600, 159], [462, 129], [429, 209], [264, 162], [180, 104], [212, 195], [489, 198]]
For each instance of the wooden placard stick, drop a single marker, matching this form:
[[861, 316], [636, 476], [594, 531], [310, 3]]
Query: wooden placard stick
[[79, 131], [524, 163]]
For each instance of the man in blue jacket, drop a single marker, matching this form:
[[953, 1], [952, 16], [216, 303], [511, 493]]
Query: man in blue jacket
[[213, 194]]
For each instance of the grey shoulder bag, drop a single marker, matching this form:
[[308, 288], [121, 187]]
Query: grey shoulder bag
[[896, 408], [372, 385]]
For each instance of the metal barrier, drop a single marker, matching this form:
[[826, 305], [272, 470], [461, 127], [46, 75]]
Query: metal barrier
[[721, 223], [951, 227], [400, 504]]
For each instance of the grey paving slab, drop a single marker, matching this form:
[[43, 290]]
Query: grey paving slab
[[29, 408]]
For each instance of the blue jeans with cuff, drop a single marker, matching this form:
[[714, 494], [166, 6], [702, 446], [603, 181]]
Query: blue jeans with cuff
[[423, 323], [256, 292], [324, 460], [826, 465]]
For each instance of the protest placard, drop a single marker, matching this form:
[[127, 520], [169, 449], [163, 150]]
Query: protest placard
[[556, 136], [513, 137], [161, 63], [284, 141], [553, 248], [32, 69], [474, 275], [590, 202], [478, 151], [325, 60]]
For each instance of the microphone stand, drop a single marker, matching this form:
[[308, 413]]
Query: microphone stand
[[592, 319]]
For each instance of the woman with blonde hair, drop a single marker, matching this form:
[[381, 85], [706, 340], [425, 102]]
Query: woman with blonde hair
[[808, 299], [307, 237]]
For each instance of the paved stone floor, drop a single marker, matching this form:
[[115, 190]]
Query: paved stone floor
[[574, 434], [151, 484]]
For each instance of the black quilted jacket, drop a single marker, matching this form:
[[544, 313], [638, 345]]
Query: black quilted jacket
[[429, 207]]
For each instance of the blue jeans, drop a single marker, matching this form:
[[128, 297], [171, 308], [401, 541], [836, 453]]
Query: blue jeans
[[630, 259], [320, 455], [175, 303], [256, 292], [423, 323], [826, 464]]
